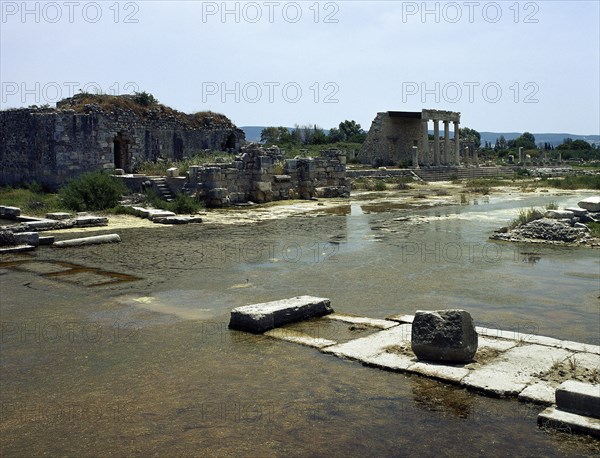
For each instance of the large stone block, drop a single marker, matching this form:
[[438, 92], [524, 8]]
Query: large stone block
[[258, 318], [27, 238], [591, 204], [9, 212], [444, 335], [579, 398]]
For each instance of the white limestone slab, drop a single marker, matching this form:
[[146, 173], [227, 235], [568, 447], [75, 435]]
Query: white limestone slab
[[539, 392], [289, 335], [370, 346], [553, 417], [510, 374], [372, 322]]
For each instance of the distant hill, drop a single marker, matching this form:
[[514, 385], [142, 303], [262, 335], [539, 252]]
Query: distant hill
[[553, 139], [253, 135]]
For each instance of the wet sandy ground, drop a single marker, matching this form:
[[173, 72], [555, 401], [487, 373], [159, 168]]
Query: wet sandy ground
[[147, 366]]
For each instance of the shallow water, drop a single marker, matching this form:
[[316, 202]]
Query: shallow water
[[149, 367]]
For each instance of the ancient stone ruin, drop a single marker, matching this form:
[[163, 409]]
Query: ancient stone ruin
[[94, 132], [262, 175], [402, 137]]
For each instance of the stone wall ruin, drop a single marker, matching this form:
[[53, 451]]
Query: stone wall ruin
[[50, 146]]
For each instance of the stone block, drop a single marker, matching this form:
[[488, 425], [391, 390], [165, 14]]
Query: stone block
[[27, 238], [91, 221], [9, 212], [577, 211], [559, 214], [579, 398], [58, 216], [119, 172], [46, 240], [173, 172], [258, 318], [591, 204], [218, 193], [444, 335], [263, 186]]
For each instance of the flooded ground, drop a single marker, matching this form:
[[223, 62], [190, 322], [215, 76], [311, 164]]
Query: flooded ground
[[124, 349]]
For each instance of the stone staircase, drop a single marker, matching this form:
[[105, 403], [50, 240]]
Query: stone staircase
[[160, 185], [450, 173]]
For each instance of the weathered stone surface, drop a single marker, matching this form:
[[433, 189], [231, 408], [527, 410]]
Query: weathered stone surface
[[289, 335], [177, 219], [94, 240], [58, 215], [7, 238], [546, 229], [591, 204], [91, 221], [371, 322], [579, 398], [258, 318], [9, 212], [27, 238], [511, 374], [16, 249], [444, 335], [568, 422], [559, 214], [577, 211]]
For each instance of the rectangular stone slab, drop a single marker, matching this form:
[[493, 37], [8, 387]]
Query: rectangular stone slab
[[289, 335], [514, 370], [579, 398], [568, 422], [258, 318]]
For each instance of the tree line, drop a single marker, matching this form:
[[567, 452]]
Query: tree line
[[347, 131]]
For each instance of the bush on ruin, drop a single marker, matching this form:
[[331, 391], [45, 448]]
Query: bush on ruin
[[92, 191]]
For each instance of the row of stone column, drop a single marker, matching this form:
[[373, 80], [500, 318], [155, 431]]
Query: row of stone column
[[437, 158]]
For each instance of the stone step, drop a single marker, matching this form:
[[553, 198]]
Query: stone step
[[568, 422], [579, 398]]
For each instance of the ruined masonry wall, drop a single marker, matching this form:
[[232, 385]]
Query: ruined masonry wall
[[259, 178], [52, 147]]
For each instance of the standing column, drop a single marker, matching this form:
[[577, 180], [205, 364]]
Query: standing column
[[436, 142], [446, 142], [456, 144], [415, 157], [425, 155]]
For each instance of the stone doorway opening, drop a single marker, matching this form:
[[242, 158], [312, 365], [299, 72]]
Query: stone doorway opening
[[121, 152]]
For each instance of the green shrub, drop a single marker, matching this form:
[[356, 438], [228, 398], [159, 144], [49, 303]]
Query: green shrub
[[552, 205], [379, 185], [185, 204], [92, 191], [525, 216]]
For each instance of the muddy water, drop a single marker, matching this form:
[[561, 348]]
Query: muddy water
[[124, 349]]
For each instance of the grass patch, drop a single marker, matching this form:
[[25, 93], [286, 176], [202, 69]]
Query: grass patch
[[594, 229], [526, 215], [574, 182], [160, 168], [31, 200], [183, 204], [552, 205]]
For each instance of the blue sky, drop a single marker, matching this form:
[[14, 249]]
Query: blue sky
[[506, 66]]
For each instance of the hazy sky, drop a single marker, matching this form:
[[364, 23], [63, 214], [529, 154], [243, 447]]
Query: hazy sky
[[506, 66]]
